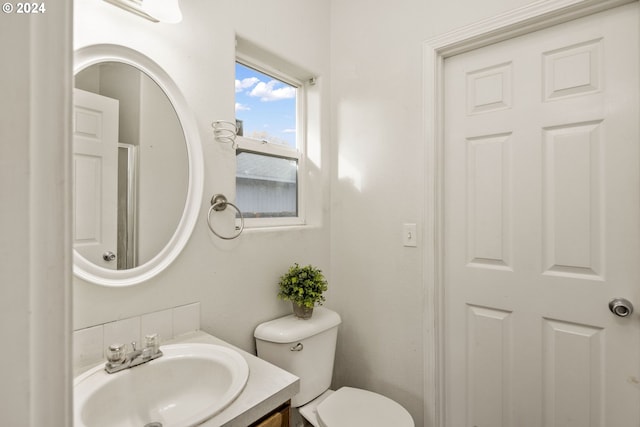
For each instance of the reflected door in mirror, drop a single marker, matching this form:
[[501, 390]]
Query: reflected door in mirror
[[95, 133]]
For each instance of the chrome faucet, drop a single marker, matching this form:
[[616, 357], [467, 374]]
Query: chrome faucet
[[118, 359]]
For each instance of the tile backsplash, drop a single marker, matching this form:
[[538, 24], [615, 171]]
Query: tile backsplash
[[89, 343]]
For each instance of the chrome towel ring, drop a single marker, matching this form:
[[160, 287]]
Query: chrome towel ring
[[219, 203]]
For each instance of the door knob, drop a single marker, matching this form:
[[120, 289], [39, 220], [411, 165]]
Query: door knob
[[621, 307], [108, 256]]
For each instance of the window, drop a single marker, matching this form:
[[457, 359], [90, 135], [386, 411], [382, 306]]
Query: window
[[269, 153]]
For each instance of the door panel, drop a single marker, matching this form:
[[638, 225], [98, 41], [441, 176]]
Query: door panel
[[542, 227], [95, 169]]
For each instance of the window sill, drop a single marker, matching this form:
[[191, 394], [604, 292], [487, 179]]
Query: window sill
[[280, 228]]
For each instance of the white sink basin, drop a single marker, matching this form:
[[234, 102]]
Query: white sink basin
[[187, 385]]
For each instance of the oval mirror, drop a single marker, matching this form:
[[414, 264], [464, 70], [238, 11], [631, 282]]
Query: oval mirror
[[137, 167]]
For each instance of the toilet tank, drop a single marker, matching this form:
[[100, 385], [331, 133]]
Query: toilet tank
[[304, 347]]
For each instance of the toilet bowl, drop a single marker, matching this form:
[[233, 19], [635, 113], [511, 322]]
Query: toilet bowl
[[306, 348], [349, 407]]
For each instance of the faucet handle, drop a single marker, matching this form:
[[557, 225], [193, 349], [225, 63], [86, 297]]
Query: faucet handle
[[116, 353], [152, 341], [133, 345]]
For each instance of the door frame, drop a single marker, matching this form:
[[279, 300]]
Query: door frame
[[517, 22]]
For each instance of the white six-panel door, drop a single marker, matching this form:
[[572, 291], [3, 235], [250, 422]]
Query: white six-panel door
[[542, 228], [95, 176]]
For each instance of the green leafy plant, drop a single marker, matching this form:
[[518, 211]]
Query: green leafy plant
[[303, 285]]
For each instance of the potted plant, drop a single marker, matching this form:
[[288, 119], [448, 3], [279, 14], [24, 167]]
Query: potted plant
[[303, 286]]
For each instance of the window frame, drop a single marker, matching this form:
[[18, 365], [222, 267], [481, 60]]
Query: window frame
[[255, 146]]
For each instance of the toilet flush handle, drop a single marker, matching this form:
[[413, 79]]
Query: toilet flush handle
[[297, 347]]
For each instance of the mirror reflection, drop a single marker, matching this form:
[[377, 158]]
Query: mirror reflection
[[130, 166]]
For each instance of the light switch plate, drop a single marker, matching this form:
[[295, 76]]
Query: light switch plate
[[410, 235]]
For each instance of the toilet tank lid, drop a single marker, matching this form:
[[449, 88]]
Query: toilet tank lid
[[291, 329]]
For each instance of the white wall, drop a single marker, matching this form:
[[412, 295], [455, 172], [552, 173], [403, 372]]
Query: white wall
[[378, 184], [236, 281]]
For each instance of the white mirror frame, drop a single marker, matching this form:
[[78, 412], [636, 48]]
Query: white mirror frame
[[83, 268]]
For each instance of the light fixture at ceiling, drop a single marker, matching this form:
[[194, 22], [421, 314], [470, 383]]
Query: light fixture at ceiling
[[155, 10]]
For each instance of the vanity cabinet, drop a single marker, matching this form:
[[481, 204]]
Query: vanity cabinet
[[279, 417]]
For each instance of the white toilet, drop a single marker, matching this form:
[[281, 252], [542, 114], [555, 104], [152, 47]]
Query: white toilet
[[306, 348]]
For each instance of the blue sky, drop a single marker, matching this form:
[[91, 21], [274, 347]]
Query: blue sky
[[266, 106]]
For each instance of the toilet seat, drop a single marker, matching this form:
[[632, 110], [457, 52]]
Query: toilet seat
[[348, 407]]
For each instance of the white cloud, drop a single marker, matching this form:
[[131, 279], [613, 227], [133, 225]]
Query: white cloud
[[246, 83], [242, 107], [267, 92], [288, 131]]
